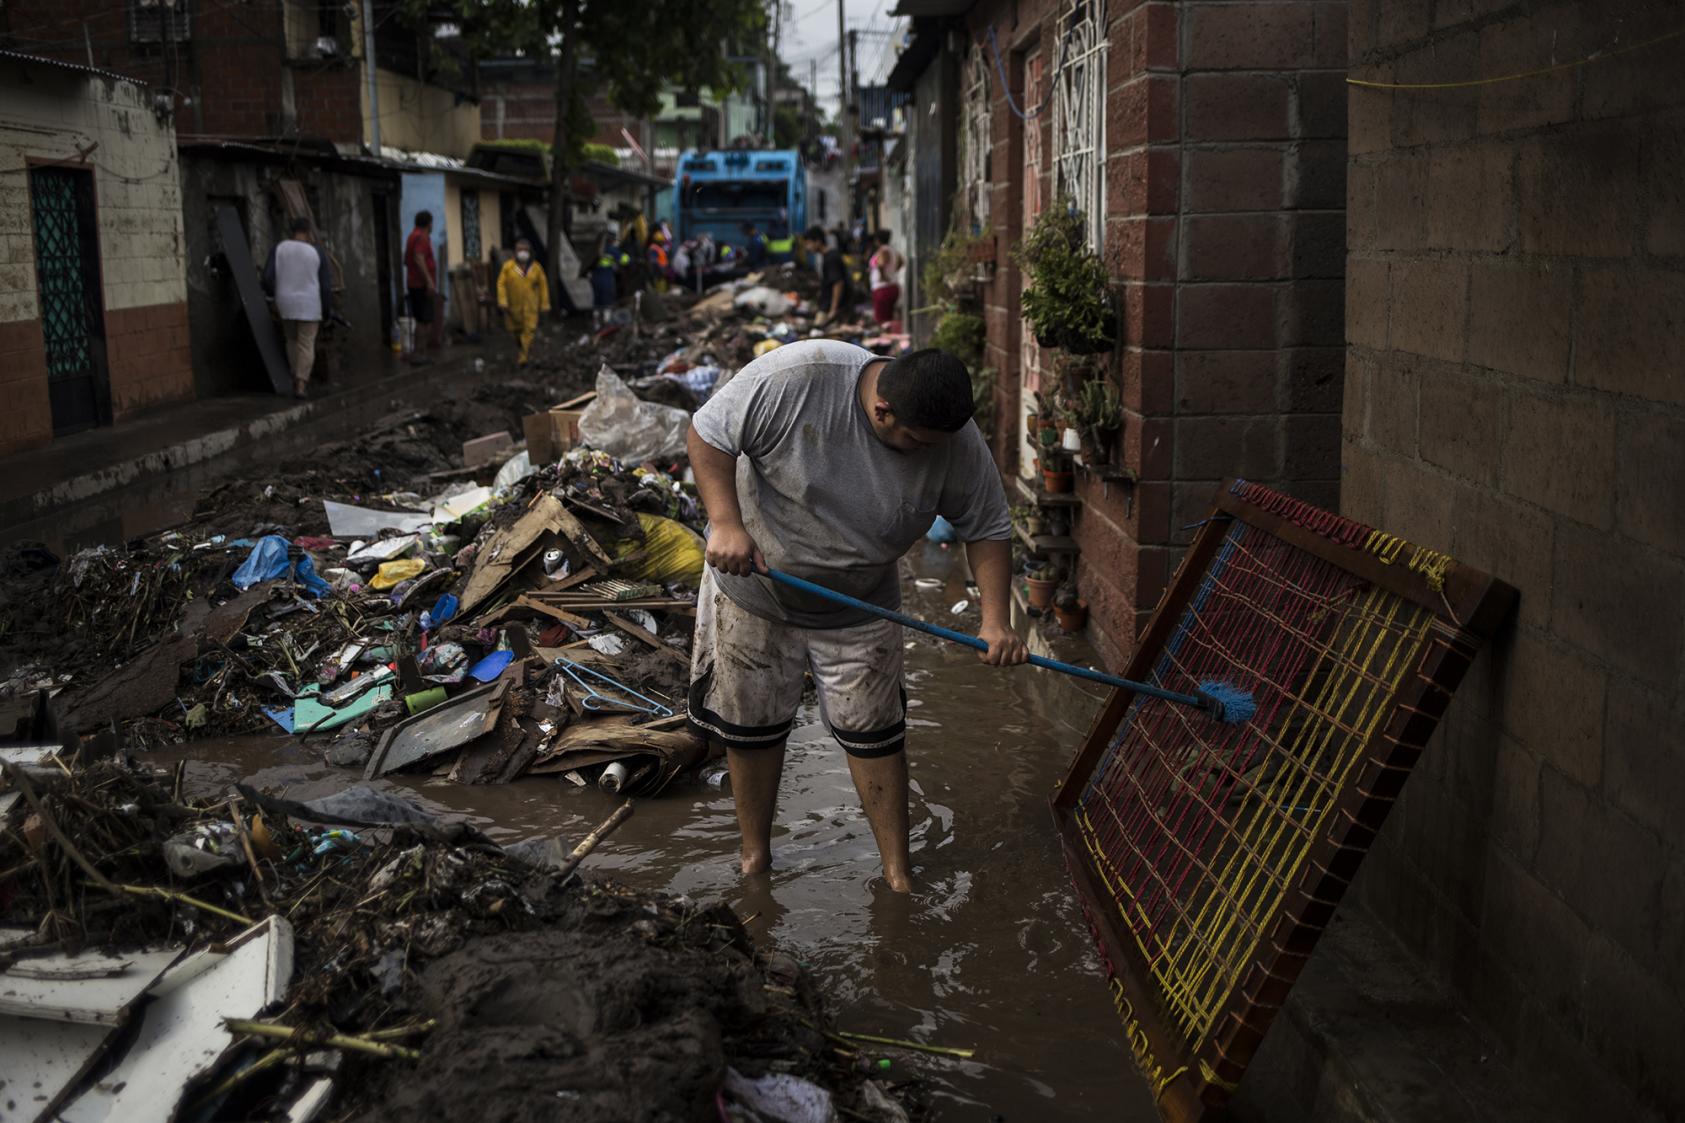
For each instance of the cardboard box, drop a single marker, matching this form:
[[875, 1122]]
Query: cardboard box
[[553, 432]]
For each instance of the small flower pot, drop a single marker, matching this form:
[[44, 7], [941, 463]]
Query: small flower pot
[[1041, 592], [1035, 524], [1071, 619], [1070, 440], [1031, 424], [1056, 482]]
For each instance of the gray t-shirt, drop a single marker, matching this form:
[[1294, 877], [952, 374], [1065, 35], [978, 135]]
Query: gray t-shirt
[[823, 497]]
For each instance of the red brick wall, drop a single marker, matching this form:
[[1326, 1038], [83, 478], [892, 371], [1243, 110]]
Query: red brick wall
[[1515, 393], [232, 65], [27, 420], [149, 357], [1225, 127]]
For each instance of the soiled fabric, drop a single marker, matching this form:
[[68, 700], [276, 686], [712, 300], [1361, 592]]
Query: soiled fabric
[[823, 497]]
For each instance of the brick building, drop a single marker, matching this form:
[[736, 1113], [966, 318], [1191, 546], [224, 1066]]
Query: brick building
[[93, 293], [275, 109], [1515, 393], [1205, 144]]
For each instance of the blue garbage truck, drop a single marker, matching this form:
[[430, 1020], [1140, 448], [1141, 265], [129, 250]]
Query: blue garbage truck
[[715, 191]]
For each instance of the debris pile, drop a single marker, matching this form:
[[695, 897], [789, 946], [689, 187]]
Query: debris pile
[[249, 958]]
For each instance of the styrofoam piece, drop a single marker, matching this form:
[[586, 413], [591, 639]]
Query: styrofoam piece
[[90, 988], [182, 1035], [310, 1104], [44, 1059]]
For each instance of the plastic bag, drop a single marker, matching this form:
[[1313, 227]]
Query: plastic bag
[[394, 573], [268, 560], [763, 301], [514, 470], [632, 430], [670, 551]]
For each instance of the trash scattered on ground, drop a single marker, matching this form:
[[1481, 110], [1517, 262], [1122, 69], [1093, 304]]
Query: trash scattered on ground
[[360, 952]]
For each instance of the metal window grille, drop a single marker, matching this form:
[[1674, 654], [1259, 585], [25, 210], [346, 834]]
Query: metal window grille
[[1208, 857], [1029, 351], [471, 248], [1079, 113], [148, 18], [977, 138]]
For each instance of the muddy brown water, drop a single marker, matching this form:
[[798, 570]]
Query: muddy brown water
[[989, 953]]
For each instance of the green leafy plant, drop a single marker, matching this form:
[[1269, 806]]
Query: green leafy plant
[[1068, 301], [948, 276]]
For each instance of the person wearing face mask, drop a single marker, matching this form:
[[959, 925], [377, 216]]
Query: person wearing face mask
[[522, 293]]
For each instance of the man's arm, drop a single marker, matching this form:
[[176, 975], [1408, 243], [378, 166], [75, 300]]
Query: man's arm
[[730, 548], [991, 565]]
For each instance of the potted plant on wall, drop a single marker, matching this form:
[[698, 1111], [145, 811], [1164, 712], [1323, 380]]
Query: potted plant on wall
[[1070, 610], [1040, 584], [1099, 415], [1068, 300]]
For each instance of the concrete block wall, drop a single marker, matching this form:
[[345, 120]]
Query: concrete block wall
[[107, 127], [1515, 394], [1225, 165]]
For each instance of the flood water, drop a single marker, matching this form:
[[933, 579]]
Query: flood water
[[989, 953]]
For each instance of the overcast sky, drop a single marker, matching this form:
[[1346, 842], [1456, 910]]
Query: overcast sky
[[809, 35]]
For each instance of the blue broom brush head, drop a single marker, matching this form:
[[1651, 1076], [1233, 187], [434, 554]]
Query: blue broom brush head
[[1228, 704]]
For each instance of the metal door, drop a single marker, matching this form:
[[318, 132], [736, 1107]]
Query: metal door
[[67, 280]]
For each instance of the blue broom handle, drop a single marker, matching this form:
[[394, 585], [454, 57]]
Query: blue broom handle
[[972, 641]]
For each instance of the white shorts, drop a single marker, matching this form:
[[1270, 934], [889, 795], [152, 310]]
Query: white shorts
[[746, 678]]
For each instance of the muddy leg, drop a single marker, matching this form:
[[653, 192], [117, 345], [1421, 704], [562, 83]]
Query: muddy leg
[[882, 784], [754, 787]]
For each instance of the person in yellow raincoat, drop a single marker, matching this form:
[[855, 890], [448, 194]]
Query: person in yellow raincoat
[[522, 293]]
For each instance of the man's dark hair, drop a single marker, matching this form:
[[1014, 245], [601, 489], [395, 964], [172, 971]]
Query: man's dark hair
[[928, 389], [815, 233], [301, 225], [424, 219]]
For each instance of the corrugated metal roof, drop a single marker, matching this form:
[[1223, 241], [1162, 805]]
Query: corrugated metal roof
[[60, 64]]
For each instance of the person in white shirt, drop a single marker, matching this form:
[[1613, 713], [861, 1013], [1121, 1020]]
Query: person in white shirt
[[297, 276]]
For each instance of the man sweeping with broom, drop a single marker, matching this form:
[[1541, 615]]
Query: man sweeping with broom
[[828, 462]]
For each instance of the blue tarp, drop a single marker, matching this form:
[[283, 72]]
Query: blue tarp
[[268, 560]]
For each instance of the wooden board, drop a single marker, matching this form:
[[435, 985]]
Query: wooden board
[[248, 282]]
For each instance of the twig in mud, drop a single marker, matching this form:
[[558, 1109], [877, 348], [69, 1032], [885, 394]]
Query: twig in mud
[[264, 1063], [918, 1046], [397, 1032], [246, 845], [17, 777], [591, 841], [331, 1040], [180, 898]]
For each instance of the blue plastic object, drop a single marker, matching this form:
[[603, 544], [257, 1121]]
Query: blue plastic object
[[268, 560], [942, 531], [443, 609], [491, 666]]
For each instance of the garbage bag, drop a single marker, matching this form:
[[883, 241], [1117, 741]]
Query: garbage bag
[[632, 430], [268, 560], [394, 573], [670, 551]]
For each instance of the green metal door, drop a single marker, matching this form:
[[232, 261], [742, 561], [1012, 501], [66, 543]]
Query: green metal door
[[68, 282]]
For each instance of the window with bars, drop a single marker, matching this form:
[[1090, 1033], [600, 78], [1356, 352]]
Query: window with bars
[[977, 140], [150, 20], [1079, 113]]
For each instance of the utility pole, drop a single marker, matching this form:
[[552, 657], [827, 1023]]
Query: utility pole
[[812, 102], [846, 137], [374, 81]]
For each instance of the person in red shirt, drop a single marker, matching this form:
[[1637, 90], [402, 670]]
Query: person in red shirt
[[421, 277]]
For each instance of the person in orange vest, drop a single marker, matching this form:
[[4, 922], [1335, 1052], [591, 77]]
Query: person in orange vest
[[658, 260], [523, 293]]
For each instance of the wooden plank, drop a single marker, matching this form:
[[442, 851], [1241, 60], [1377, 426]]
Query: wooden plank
[[552, 612], [248, 283], [637, 631]]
